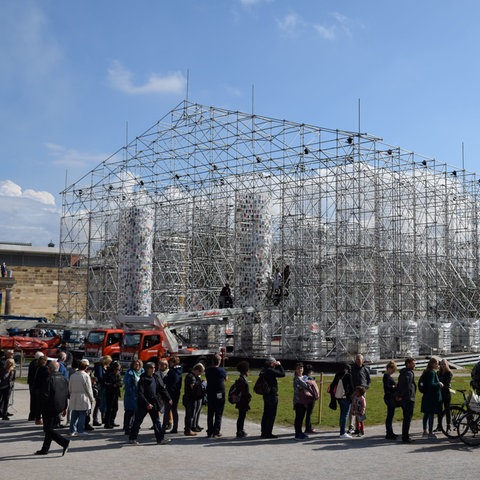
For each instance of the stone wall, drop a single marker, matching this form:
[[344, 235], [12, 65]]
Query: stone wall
[[35, 292]]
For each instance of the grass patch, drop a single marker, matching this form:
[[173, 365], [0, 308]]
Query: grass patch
[[376, 409]]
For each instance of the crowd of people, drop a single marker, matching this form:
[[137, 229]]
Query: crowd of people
[[88, 396]]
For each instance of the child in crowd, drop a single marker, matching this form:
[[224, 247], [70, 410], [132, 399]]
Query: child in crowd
[[359, 405]]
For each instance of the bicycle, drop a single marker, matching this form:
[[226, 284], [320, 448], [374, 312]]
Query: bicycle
[[454, 412], [468, 427]]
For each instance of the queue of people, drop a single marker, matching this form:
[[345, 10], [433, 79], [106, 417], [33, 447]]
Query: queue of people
[[81, 390]]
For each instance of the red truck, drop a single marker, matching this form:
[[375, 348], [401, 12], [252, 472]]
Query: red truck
[[103, 341]]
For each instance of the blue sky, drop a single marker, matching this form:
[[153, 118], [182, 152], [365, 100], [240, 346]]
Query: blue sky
[[74, 74]]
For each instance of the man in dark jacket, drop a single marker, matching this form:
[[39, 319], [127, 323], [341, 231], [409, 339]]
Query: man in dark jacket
[[53, 401], [272, 371], [215, 376], [406, 391], [360, 377], [173, 383], [151, 392]]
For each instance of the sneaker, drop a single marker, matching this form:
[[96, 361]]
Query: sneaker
[[134, 442], [242, 434], [165, 441], [346, 435], [360, 434], [96, 423], [217, 435], [351, 429], [73, 434], [301, 436], [432, 435], [310, 430]]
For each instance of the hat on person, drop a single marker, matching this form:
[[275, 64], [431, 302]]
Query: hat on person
[[38, 355], [270, 360]]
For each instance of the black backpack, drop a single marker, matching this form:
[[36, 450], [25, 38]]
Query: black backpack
[[261, 386], [234, 393]]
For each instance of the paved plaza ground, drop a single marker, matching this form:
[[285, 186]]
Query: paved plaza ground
[[105, 454]]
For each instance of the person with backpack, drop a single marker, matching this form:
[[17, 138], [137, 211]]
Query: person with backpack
[[243, 397], [432, 396], [341, 390], [406, 392], [273, 370]]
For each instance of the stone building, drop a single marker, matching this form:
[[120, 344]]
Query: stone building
[[31, 285]]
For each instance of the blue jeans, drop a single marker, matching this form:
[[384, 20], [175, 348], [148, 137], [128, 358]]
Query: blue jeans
[[344, 410], [77, 421]]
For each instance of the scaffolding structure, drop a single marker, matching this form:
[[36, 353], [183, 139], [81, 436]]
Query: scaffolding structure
[[342, 243]]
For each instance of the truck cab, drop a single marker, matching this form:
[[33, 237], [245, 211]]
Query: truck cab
[[103, 341], [144, 345]]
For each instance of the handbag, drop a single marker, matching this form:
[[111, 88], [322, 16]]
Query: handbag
[[340, 390], [395, 400], [333, 403]]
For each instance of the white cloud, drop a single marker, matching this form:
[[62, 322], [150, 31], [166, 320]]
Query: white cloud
[[328, 33], [71, 158], [11, 189], [123, 80], [28, 216], [340, 27], [290, 23]]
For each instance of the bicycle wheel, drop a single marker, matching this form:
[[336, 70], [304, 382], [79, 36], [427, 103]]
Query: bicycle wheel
[[455, 413], [468, 428]]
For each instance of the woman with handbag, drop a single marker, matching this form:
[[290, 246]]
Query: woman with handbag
[[389, 392], [341, 390]]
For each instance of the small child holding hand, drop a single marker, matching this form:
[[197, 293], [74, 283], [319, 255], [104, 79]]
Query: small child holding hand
[[359, 405]]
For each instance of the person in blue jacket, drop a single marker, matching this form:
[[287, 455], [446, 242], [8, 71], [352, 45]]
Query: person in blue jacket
[[130, 393]]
